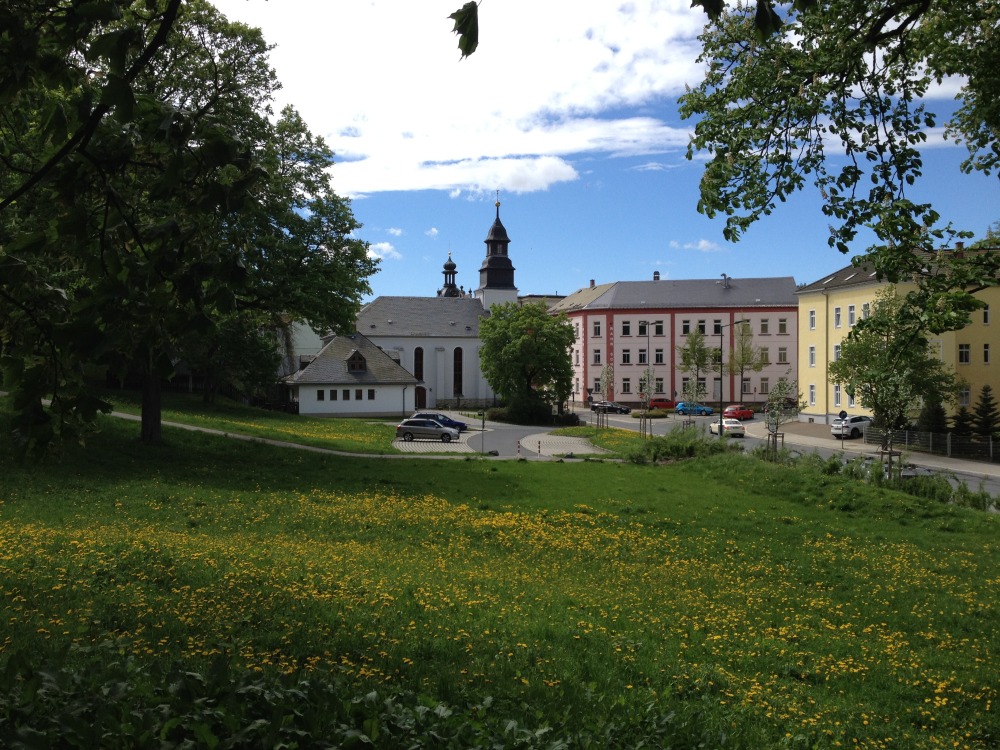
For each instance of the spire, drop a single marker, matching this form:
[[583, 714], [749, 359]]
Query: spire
[[449, 289], [496, 275]]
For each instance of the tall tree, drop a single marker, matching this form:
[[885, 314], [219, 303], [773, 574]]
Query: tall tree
[[986, 413], [887, 363], [525, 357], [696, 358], [746, 356], [778, 110]]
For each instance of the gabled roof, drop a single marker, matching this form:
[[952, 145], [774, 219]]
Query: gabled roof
[[684, 293], [443, 317], [330, 365], [846, 277]]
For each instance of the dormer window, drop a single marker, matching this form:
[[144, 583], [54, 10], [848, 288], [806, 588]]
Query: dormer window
[[356, 363]]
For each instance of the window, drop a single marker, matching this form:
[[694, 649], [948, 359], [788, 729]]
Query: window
[[765, 386], [716, 327], [701, 327], [456, 372], [836, 317], [597, 385], [746, 385], [866, 310], [850, 316], [576, 357], [836, 395], [626, 356], [320, 395], [986, 354], [597, 328], [812, 320], [782, 325], [812, 395], [850, 401], [371, 394], [782, 355], [685, 383], [643, 357], [626, 328], [701, 386], [836, 352], [597, 356], [418, 363], [658, 385], [965, 397], [346, 394], [685, 327], [964, 354], [357, 394], [986, 315], [765, 326], [626, 385], [658, 357], [812, 356], [356, 363], [333, 394], [643, 328], [658, 328], [765, 355]]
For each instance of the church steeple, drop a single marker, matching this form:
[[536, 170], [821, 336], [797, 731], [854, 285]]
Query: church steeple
[[449, 289], [496, 275]]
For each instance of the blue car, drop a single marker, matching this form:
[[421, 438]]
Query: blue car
[[689, 407], [442, 419]]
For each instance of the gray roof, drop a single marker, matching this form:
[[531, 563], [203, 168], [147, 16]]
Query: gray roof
[[442, 317], [846, 277], [330, 365], [686, 293]]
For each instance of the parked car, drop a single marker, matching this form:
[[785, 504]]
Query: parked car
[[441, 419], [662, 403], [849, 427], [410, 429], [730, 428], [690, 407], [738, 411], [611, 406]]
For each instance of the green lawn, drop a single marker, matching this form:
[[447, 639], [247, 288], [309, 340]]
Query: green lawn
[[234, 590]]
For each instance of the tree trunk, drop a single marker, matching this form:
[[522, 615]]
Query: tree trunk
[[152, 410]]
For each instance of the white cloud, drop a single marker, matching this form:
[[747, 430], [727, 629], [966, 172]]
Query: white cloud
[[395, 231], [432, 232], [383, 250], [702, 246], [547, 85]]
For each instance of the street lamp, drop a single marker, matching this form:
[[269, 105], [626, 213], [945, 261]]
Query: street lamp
[[721, 359]]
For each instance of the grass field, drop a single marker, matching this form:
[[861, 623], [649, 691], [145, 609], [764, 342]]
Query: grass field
[[216, 591]]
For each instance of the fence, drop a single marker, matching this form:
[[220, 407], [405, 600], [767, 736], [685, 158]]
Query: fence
[[981, 448]]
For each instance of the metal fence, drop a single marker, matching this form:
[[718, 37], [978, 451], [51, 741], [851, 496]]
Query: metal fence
[[941, 443]]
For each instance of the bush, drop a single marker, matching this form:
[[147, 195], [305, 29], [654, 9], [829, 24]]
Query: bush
[[679, 444]]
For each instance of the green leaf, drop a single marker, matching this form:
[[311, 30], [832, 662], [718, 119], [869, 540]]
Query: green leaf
[[466, 26]]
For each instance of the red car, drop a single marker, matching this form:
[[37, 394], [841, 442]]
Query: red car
[[737, 411]]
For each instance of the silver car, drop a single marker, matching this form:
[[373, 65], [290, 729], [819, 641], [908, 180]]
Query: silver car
[[849, 427], [409, 429]]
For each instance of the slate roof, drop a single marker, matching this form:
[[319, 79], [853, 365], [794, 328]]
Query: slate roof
[[440, 317], [683, 293], [330, 365], [846, 277]]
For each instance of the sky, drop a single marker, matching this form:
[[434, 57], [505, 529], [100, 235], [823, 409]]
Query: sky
[[568, 112]]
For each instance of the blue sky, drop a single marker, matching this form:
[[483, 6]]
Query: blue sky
[[571, 114]]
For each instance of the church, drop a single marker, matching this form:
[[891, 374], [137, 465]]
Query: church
[[411, 353]]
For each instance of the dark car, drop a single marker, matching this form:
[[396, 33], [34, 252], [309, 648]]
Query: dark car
[[441, 419], [610, 406]]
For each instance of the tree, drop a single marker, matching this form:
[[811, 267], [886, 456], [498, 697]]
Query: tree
[[182, 204], [745, 356], [963, 422], [525, 357], [887, 363], [783, 402], [986, 414], [933, 417], [777, 110], [696, 358]]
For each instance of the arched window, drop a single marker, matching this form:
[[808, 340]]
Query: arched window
[[418, 363], [457, 372]]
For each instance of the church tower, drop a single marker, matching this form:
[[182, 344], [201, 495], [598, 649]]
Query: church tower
[[496, 275], [449, 289]]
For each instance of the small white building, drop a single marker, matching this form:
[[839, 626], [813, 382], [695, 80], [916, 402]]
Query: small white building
[[352, 377]]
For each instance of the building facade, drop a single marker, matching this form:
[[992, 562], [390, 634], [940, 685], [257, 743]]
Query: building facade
[[635, 326], [830, 307]]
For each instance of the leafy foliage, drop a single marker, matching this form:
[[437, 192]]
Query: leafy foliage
[[696, 357]]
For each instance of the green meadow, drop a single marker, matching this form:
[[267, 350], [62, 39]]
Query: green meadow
[[220, 593]]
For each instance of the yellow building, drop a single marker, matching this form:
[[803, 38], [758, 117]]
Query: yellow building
[[830, 307]]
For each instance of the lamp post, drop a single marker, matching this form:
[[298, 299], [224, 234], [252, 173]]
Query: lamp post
[[722, 327]]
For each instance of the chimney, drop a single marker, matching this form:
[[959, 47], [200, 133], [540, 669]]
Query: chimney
[[591, 283], [959, 249], [656, 275], [725, 281]]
